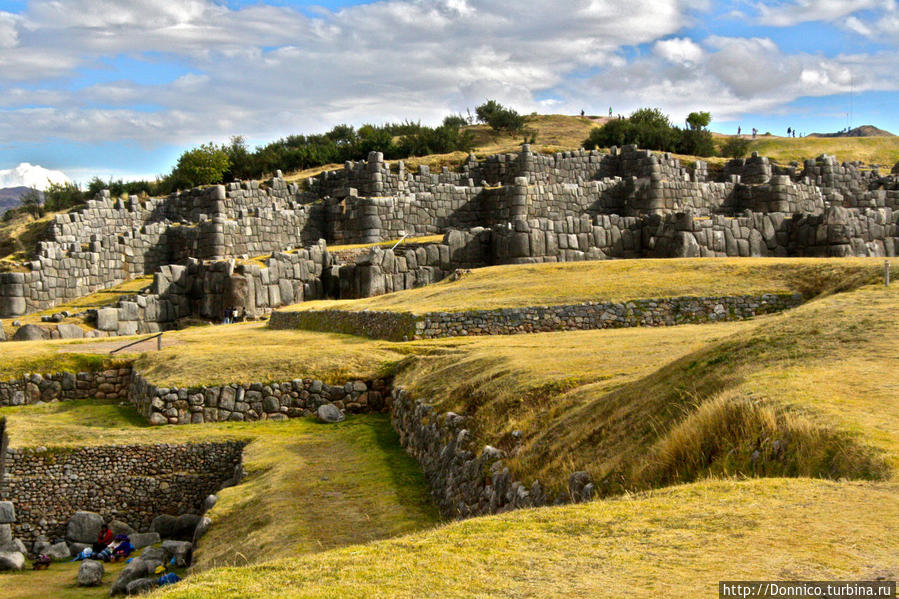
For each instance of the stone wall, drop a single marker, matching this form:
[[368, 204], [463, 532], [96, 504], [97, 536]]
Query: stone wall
[[132, 483], [34, 388], [255, 401], [465, 481], [403, 326]]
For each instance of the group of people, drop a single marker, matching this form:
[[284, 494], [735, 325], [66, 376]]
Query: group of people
[[109, 547], [791, 132]]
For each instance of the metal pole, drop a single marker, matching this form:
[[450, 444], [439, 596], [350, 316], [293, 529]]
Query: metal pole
[[886, 273], [159, 342]]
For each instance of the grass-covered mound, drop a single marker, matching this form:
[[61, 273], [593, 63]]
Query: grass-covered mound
[[676, 543], [804, 393], [521, 285]]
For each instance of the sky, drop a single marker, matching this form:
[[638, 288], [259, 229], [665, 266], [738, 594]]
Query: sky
[[119, 89]]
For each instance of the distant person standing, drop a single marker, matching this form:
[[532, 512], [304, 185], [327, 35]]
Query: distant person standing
[[582, 112], [738, 131], [610, 112], [754, 132], [789, 131]]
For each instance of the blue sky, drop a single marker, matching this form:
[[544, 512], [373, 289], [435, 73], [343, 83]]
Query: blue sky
[[112, 88]]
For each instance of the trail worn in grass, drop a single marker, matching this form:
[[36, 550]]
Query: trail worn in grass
[[619, 280]]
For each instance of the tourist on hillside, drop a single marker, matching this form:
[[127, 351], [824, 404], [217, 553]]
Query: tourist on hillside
[[739, 130], [104, 538]]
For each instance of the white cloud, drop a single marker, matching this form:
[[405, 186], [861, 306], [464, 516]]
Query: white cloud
[[9, 35], [30, 175], [786, 14], [681, 50]]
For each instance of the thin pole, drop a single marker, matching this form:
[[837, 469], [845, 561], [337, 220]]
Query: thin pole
[[886, 273]]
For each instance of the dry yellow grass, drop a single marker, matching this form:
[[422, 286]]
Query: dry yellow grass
[[618, 280], [245, 353], [697, 410], [869, 150], [675, 543]]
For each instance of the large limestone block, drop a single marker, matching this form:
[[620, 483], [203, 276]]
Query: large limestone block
[[108, 319], [11, 560], [31, 332], [70, 331], [83, 527]]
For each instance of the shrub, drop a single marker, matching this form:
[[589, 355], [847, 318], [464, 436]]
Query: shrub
[[61, 196], [735, 147]]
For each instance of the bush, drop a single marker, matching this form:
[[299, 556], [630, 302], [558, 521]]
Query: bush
[[651, 129], [201, 166], [62, 196], [500, 118], [735, 147]]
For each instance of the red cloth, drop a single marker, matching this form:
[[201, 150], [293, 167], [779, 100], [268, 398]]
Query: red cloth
[[105, 539]]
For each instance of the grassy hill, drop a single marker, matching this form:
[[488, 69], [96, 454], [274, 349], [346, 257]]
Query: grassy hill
[[513, 286]]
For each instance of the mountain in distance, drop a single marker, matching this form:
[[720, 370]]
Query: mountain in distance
[[10, 197], [863, 131]]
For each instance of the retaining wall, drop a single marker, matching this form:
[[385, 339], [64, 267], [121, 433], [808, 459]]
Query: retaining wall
[[404, 326], [132, 483], [34, 388], [255, 401]]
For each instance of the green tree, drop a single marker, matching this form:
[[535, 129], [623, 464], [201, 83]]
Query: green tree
[[698, 120], [204, 165], [31, 200], [500, 118]]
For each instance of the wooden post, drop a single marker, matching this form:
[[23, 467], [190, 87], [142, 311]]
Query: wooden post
[[159, 342], [886, 273]]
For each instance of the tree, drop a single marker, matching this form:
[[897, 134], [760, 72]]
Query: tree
[[454, 120], [500, 118], [698, 120], [201, 166], [735, 147], [31, 200]]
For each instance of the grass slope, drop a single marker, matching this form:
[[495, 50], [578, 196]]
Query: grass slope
[[675, 543], [618, 280], [702, 408]]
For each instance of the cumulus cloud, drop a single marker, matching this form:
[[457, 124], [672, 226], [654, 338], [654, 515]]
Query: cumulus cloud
[[30, 175], [681, 50]]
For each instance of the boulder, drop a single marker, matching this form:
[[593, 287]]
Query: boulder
[[31, 332], [40, 547], [201, 529], [185, 526], [165, 524], [83, 527], [329, 413], [2, 332], [141, 586], [120, 528], [59, 551], [895, 170], [136, 568], [77, 548], [153, 554], [70, 331], [210, 502], [7, 512], [580, 486], [11, 560], [14, 546], [144, 539], [90, 573], [179, 550], [5, 534]]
